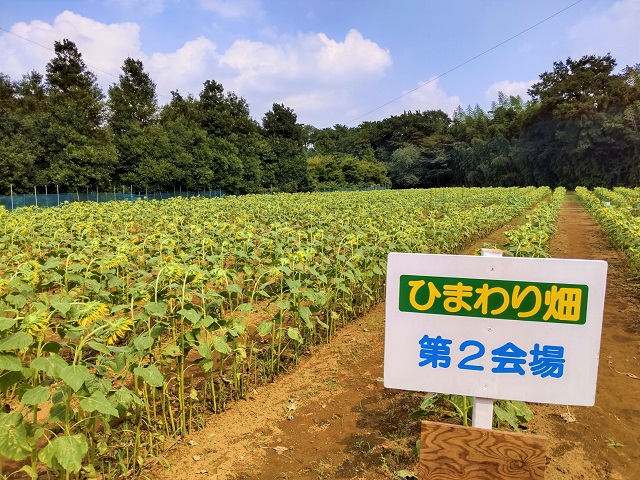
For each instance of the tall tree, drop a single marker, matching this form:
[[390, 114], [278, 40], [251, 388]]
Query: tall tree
[[581, 106], [285, 163], [226, 118], [132, 116], [133, 98], [77, 145]]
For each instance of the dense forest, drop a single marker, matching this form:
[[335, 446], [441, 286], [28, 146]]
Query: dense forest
[[581, 127]]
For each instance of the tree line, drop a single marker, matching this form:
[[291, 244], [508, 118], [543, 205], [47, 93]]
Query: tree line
[[582, 127]]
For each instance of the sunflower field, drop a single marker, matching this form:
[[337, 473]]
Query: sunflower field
[[123, 324]]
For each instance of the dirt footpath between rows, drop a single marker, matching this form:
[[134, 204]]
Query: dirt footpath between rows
[[330, 417], [604, 440]]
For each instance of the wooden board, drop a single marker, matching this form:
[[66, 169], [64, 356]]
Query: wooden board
[[452, 452]]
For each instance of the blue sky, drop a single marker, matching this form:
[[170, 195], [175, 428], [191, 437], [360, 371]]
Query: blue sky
[[332, 61]]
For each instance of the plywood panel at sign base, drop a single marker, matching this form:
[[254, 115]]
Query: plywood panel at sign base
[[454, 452]]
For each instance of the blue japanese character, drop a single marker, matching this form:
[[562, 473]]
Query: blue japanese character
[[509, 358], [435, 351], [548, 362]]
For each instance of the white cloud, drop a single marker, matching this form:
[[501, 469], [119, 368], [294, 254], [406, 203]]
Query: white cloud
[[310, 56], [354, 56], [186, 69], [310, 72], [103, 47], [508, 88], [614, 30], [233, 8], [253, 61]]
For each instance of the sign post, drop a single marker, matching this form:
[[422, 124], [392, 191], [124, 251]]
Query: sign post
[[483, 407], [494, 327]]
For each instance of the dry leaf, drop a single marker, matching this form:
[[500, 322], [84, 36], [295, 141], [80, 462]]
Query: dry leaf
[[280, 450]]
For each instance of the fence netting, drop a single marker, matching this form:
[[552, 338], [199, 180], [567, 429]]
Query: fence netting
[[11, 202]]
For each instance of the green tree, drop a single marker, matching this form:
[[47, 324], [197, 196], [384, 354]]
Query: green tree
[[578, 129], [284, 162], [76, 143], [406, 167], [226, 118], [132, 116]]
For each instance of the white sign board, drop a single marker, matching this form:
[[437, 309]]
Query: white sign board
[[494, 327]]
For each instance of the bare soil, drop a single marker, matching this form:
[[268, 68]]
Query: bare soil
[[330, 416]]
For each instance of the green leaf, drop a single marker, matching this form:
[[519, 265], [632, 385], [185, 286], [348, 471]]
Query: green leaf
[[294, 334], [9, 379], [221, 345], [62, 305], [99, 347], [18, 301], [205, 350], [16, 341], [159, 309], [6, 323], [11, 362], [190, 315], [264, 328], [150, 374], [172, 350], [70, 450], [13, 436], [294, 285], [52, 347], [98, 402], [283, 304], [305, 314], [521, 410], [126, 397], [57, 414], [47, 456], [245, 307], [235, 288], [75, 376], [98, 384], [505, 416], [143, 342], [51, 365], [35, 396]]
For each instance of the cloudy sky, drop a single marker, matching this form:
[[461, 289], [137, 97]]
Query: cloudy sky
[[332, 61]]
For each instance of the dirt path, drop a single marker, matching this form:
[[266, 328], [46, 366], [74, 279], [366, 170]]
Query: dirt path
[[604, 440], [330, 417]]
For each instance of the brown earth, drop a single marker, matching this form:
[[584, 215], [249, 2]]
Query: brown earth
[[330, 416]]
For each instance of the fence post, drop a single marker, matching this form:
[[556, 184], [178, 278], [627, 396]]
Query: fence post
[[46, 194], [58, 194], [11, 190], [35, 195]]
